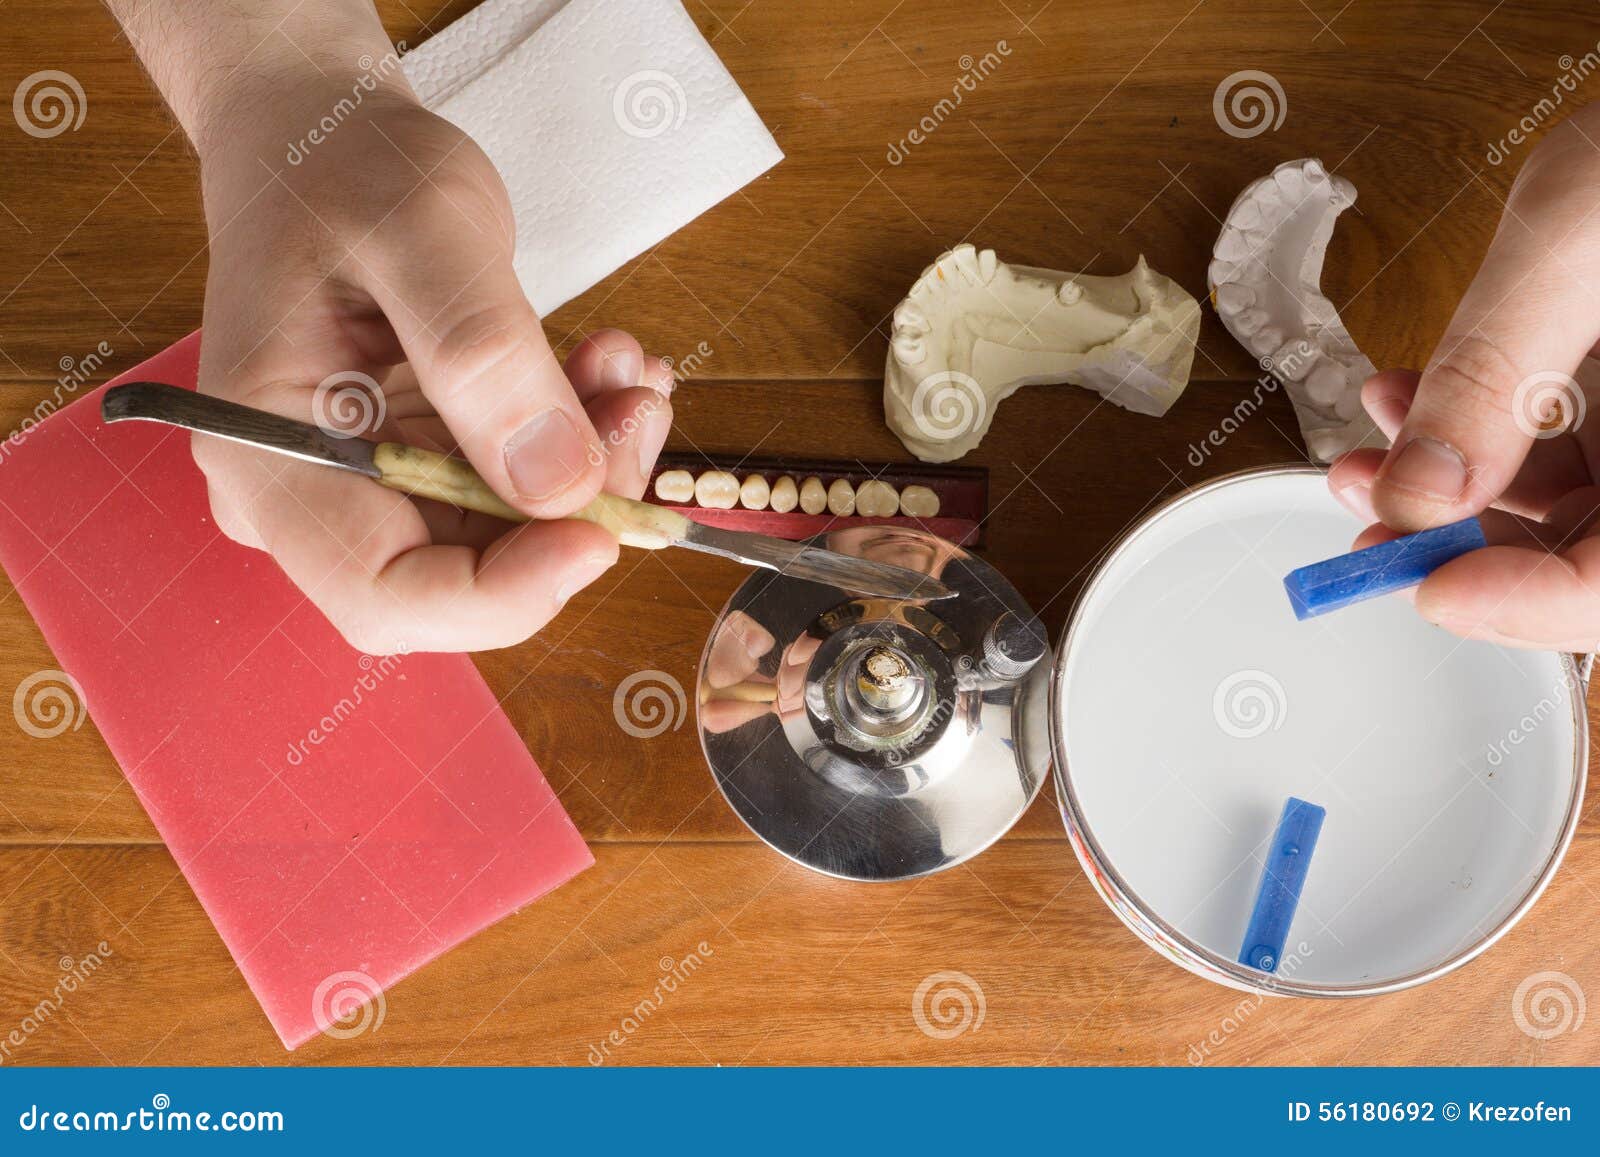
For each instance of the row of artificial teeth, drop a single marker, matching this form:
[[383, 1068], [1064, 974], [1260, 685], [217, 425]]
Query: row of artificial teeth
[[720, 490]]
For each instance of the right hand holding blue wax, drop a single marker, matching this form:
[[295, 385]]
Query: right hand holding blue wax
[[1495, 424]]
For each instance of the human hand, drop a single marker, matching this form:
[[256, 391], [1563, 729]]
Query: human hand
[[366, 271], [1494, 425]]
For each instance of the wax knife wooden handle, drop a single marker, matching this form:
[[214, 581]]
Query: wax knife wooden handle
[[426, 474]]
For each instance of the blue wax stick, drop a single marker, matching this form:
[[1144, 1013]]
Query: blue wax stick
[[1282, 877], [1389, 566]]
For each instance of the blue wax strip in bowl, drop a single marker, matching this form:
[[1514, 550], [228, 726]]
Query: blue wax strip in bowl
[[1282, 877], [1378, 570]]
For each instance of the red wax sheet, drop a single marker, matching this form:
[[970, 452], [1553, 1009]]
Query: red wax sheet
[[343, 818]]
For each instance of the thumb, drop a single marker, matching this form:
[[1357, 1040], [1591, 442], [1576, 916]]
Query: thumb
[[482, 361], [1503, 370]]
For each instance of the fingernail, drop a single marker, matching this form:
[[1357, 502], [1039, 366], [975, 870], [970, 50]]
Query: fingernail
[[1357, 499], [654, 435], [580, 575], [546, 456], [1430, 467], [620, 370], [1389, 412]]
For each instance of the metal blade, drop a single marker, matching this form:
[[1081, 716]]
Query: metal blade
[[796, 560], [155, 402]]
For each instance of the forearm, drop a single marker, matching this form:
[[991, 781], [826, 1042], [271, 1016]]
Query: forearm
[[222, 63]]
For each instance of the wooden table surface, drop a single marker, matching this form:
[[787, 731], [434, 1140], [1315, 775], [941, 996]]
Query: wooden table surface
[[1093, 141]]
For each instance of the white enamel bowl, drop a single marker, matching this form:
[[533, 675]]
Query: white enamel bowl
[[1188, 705]]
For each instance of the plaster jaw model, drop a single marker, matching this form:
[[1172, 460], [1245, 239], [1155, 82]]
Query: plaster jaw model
[[1265, 280], [973, 330]]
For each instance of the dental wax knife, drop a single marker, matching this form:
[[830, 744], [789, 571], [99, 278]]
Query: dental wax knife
[[1378, 570], [1283, 875], [425, 474]]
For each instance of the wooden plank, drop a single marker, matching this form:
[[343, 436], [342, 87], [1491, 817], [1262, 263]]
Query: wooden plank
[[766, 964], [1077, 150], [1105, 109]]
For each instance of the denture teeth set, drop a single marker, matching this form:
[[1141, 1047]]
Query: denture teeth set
[[722, 490], [796, 498]]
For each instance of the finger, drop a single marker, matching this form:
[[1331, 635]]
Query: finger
[[607, 359], [1554, 466], [448, 287], [737, 650], [1350, 481], [364, 555], [658, 376], [1387, 396], [1499, 529], [1528, 314], [633, 426], [1519, 596]]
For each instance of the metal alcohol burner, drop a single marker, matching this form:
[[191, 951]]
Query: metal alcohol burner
[[878, 739]]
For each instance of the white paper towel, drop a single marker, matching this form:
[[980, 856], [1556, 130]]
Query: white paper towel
[[612, 122]]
